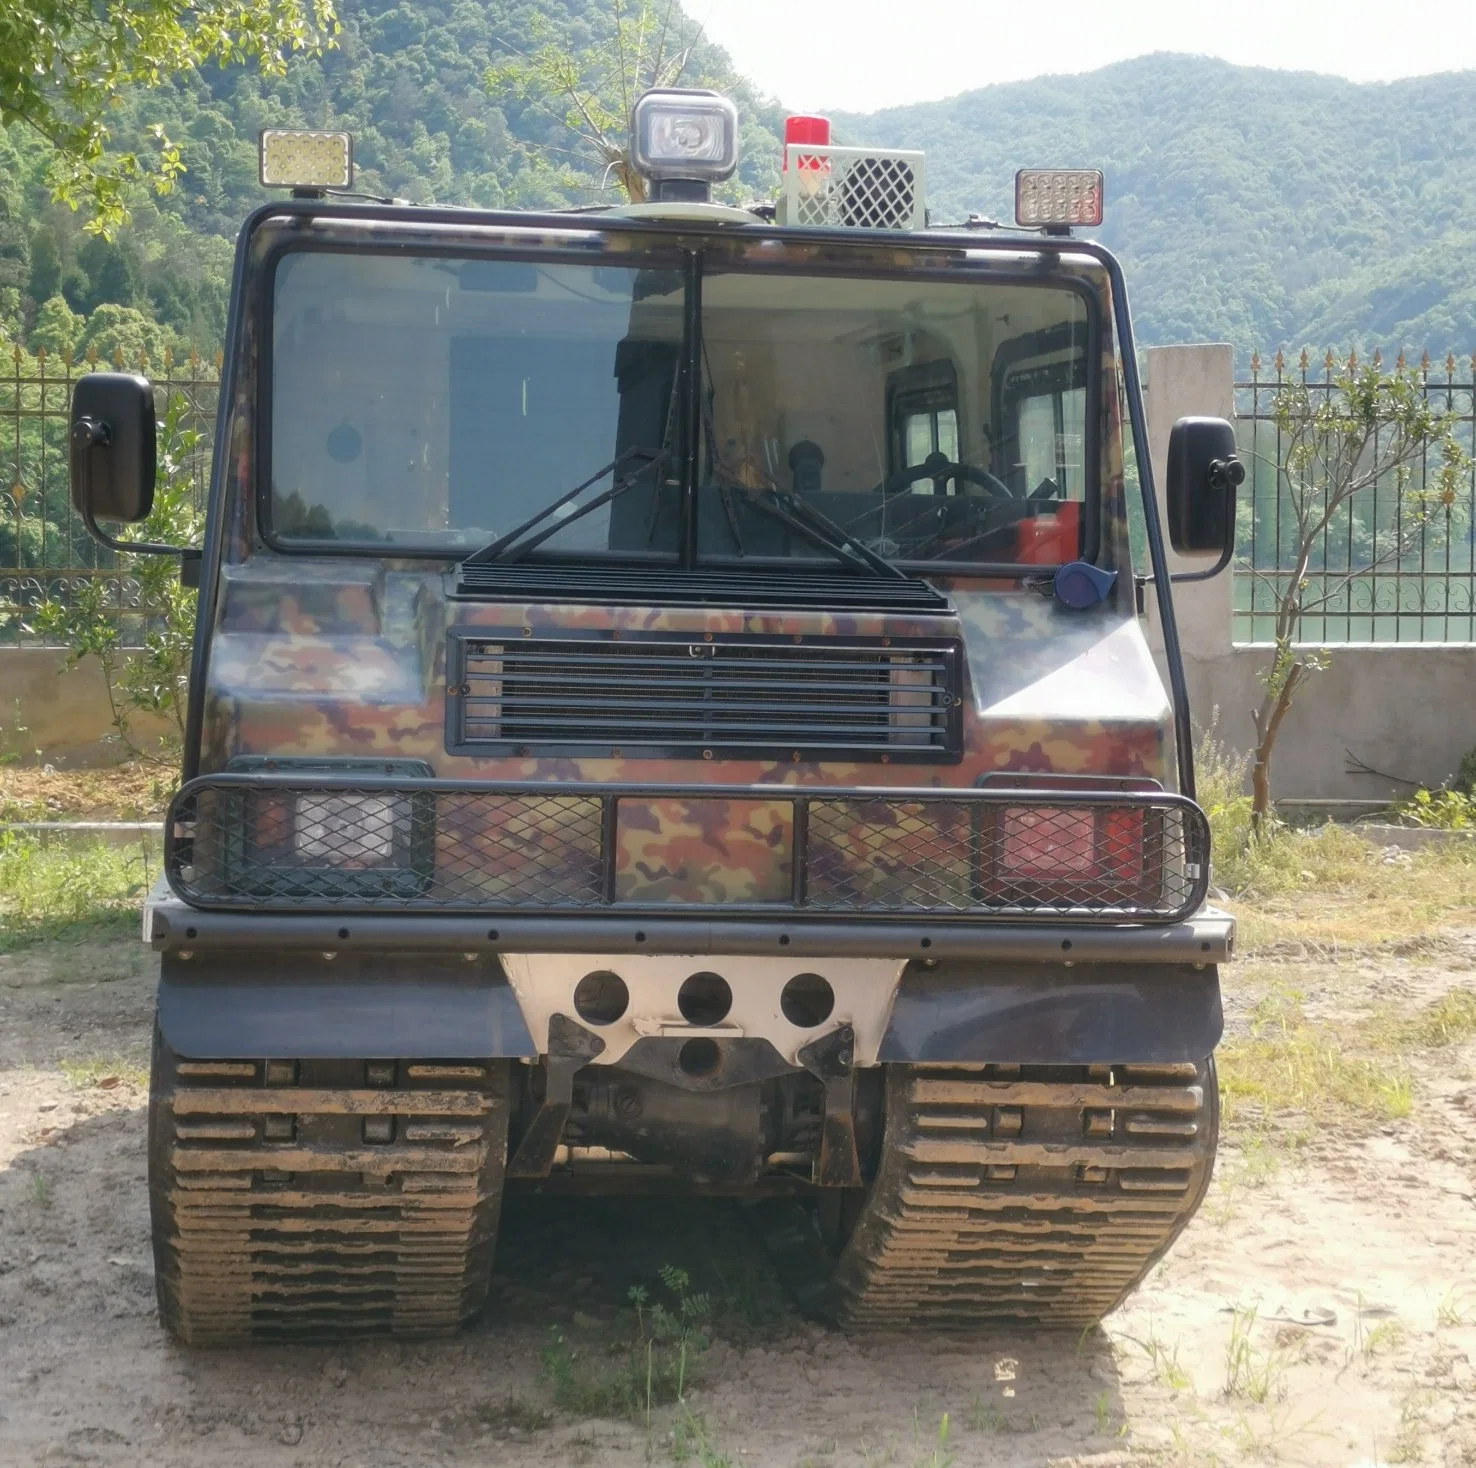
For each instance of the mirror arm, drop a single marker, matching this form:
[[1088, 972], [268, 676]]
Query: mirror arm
[[89, 434]]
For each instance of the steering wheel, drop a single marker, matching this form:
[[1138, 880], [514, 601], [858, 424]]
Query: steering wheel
[[938, 468]]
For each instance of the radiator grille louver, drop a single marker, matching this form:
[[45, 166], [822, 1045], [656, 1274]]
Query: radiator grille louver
[[731, 697]]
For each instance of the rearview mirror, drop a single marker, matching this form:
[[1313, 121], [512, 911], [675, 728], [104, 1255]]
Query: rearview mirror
[[113, 447], [1204, 471]]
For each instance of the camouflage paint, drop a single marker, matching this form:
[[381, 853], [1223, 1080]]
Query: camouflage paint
[[325, 655]]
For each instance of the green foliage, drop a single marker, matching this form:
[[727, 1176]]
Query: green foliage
[[57, 331], [64, 64], [51, 890], [591, 89], [1243, 213], [1466, 775], [153, 680], [1337, 446], [649, 1368], [1441, 810]]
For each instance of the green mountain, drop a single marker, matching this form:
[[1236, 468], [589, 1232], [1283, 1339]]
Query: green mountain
[[1264, 208]]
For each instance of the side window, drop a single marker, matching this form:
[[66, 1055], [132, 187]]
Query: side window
[[1038, 389], [1048, 448], [922, 403]]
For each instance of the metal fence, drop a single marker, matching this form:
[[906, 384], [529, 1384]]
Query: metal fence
[[1388, 566], [45, 550]]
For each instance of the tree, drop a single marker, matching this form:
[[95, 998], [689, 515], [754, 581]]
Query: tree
[[123, 331], [1360, 429], [152, 680], [65, 63], [58, 328], [591, 91]]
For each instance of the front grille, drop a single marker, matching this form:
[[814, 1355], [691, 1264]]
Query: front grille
[[298, 843], [690, 698]]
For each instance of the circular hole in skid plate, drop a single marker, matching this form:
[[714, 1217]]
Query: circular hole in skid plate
[[807, 1000], [705, 999], [601, 998], [700, 1057]]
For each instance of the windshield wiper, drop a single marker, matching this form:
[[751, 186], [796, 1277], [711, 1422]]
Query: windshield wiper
[[512, 546], [819, 529]]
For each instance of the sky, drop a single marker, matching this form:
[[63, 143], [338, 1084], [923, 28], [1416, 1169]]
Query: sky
[[858, 55]]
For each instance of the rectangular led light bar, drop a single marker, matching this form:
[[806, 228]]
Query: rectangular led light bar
[[303, 158], [1058, 197]]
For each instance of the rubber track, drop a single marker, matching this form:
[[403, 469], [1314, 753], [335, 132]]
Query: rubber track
[[300, 1200], [1031, 1195]]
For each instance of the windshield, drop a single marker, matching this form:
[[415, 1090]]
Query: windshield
[[437, 403]]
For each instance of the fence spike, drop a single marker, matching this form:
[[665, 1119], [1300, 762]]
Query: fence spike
[[143, 361], [1280, 363], [1255, 364], [92, 356], [18, 493], [1425, 363], [1352, 359], [168, 358], [193, 359], [1302, 361], [1329, 362], [1399, 362], [118, 357], [218, 358], [1450, 365], [41, 358], [1378, 360]]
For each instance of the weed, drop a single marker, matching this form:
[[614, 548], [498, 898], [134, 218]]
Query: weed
[[985, 1416], [14, 741], [691, 1441], [41, 1191], [1448, 1021], [47, 889], [1102, 1414], [1250, 1373], [1385, 1336], [106, 1071], [1449, 1311], [1165, 1363], [648, 1369], [1287, 1064], [1441, 810], [938, 1454], [1408, 1444]]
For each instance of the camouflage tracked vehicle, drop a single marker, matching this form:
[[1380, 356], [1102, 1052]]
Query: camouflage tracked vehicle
[[671, 709]]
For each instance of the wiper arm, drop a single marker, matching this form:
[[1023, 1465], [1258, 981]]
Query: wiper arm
[[819, 529], [512, 546]]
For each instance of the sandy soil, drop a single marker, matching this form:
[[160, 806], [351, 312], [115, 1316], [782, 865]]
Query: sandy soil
[[1358, 1260]]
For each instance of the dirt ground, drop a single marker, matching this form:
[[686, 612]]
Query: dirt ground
[[1319, 1310]]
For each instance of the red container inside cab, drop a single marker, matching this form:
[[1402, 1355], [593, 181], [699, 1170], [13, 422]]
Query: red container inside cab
[[1051, 539]]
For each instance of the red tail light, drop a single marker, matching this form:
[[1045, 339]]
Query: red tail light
[[1061, 854], [801, 130]]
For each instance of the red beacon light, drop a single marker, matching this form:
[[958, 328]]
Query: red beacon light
[[800, 131]]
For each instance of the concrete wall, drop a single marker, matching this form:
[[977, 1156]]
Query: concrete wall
[[1407, 710], [66, 713]]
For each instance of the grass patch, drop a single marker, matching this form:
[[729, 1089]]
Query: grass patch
[[1448, 1021], [70, 888], [649, 1362], [1288, 1067], [1328, 886], [106, 1071]]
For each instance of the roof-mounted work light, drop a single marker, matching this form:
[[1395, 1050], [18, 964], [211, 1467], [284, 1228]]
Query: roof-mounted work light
[[303, 158], [684, 141], [1056, 198]]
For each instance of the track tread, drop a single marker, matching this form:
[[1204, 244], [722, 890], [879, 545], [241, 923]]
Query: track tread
[[325, 1234], [1051, 1223]]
